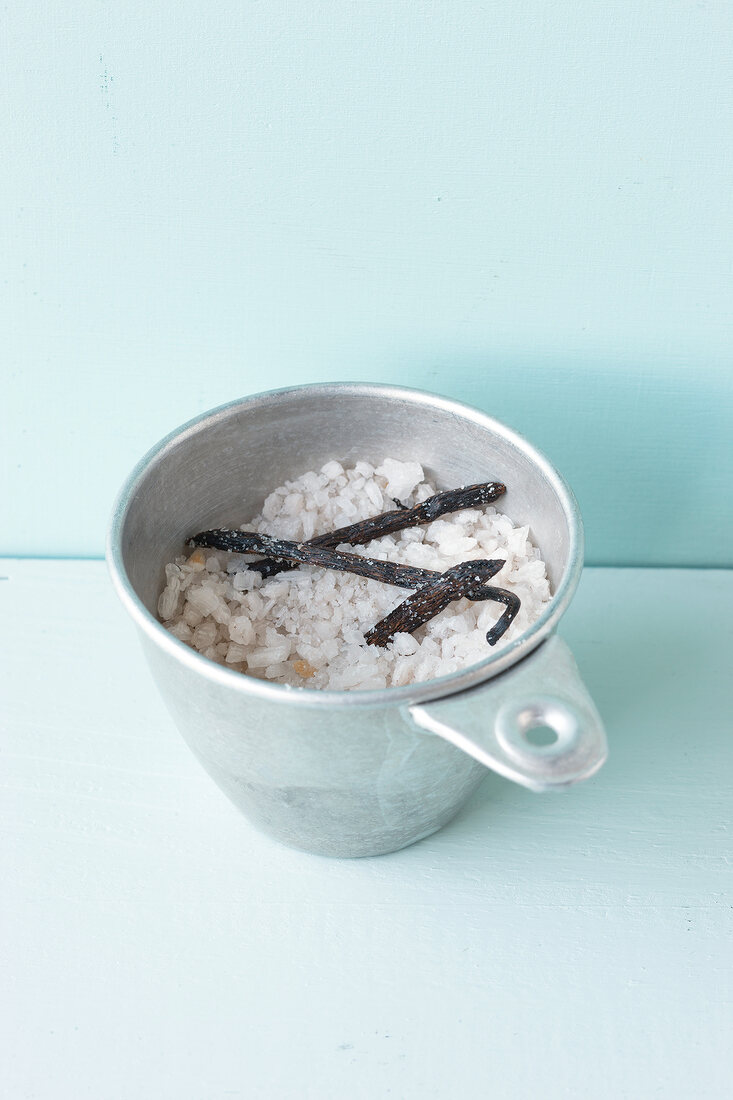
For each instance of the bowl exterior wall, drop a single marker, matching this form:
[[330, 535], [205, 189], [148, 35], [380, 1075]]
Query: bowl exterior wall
[[358, 785], [337, 773]]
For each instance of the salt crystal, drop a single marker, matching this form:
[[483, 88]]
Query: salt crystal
[[276, 671], [293, 504], [203, 599], [204, 635], [235, 654], [272, 506], [374, 493], [456, 547], [256, 604], [487, 540], [404, 645], [190, 615], [246, 581], [402, 477], [311, 482], [168, 602], [326, 629], [241, 630], [332, 470], [181, 630], [421, 554], [269, 655], [422, 493], [221, 612]]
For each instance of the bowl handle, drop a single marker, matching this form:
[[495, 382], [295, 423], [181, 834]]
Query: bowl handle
[[494, 722]]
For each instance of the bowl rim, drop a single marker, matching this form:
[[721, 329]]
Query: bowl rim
[[407, 695]]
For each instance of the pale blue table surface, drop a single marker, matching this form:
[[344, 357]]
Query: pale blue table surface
[[576, 945]]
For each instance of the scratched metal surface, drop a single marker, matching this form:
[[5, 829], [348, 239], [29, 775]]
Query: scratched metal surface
[[575, 945], [524, 206]]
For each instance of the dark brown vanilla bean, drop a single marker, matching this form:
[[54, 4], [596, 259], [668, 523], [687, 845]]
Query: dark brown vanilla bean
[[460, 580], [388, 523], [428, 601], [513, 603], [304, 553]]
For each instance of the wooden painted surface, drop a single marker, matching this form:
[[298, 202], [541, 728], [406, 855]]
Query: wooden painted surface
[[576, 945], [524, 205]]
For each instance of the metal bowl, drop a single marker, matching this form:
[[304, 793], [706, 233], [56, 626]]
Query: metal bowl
[[358, 772]]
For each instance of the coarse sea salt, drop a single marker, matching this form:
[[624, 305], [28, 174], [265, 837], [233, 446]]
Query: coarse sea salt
[[306, 627]]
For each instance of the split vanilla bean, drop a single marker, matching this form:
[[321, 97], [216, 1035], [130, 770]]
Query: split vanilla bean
[[513, 603], [462, 580], [305, 553], [388, 523], [418, 609]]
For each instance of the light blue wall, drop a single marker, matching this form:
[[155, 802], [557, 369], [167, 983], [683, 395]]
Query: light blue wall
[[523, 205]]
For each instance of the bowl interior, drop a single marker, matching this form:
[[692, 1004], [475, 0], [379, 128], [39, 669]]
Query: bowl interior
[[217, 471]]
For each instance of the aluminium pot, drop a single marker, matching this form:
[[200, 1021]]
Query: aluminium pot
[[357, 773]]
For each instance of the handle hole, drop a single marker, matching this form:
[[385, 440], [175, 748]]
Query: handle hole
[[541, 735], [541, 728]]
